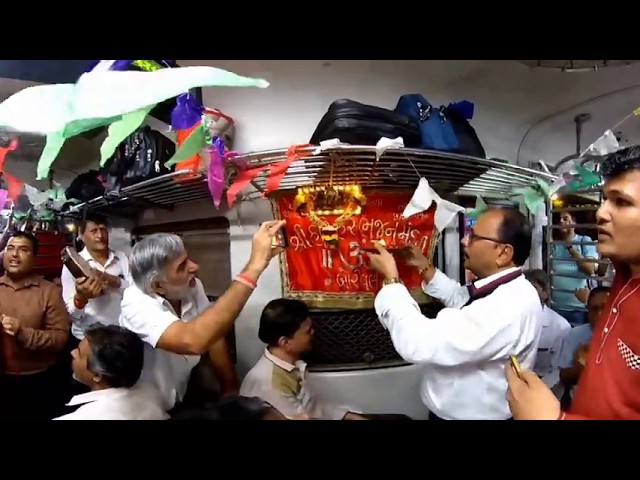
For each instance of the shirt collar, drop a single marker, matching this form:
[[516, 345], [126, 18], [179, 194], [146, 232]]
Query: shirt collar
[[93, 396], [113, 256], [300, 364], [495, 276], [26, 282]]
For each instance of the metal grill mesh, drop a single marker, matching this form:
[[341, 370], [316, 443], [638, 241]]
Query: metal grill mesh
[[354, 339]]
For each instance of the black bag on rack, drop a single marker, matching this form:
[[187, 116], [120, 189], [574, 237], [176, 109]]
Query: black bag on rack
[[85, 187], [360, 124], [140, 157]]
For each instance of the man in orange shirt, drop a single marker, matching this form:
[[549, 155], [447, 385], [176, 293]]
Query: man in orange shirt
[[609, 387]]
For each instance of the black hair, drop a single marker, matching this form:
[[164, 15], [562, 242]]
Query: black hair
[[596, 290], [281, 317], [35, 245], [228, 408], [93, 218], [615, 164], [116, 353], [515, 230], [538, 276]]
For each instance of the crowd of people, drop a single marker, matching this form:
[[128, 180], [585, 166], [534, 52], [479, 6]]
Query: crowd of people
[[124, 341]]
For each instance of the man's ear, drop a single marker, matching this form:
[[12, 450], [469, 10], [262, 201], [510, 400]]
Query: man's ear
[[97, 378], [283, 342], [507, 256], [157, 287]]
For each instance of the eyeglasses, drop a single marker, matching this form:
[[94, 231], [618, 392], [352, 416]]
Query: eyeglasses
[[472, 236]]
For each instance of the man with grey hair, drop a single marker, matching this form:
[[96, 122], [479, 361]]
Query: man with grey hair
[[167, 306], [108, 360]]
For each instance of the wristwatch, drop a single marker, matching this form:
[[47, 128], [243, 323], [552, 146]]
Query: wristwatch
[[390, 281]]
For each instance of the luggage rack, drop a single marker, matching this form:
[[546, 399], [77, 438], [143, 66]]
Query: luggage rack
[[400, 168], [161, 192], [448, 173]]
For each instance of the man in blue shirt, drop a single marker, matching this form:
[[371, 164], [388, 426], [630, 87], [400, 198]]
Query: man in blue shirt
[[571, 271], [576, 342]]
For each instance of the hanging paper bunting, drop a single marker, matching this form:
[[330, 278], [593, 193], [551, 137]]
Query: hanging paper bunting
[[4, 195], [192, 145], [422, 199], [274, 177], [534, 196], [480, 208], [14, 185], [215, 177], [100, 98], [583, 179], [186, 117]]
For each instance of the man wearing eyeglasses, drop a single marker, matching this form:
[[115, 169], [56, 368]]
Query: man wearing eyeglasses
[[465, 348]]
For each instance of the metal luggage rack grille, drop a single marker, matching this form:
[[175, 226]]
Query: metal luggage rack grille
[[163, 192], [354, 340], [398, 168], [401, 168]]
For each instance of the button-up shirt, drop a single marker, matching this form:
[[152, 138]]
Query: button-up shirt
[[284, 386], [104, 309], [566, 300], [609, 386], [149, 316], [44, 324], [465, 349], [142, 402], [554, 329]]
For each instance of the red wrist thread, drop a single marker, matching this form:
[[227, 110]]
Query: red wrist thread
[[246, 280]]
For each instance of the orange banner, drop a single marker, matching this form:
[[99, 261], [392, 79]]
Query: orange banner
[[337, 275]]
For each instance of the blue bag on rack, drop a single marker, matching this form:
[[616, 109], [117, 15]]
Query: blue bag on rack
[[444, 129], [437, 133]]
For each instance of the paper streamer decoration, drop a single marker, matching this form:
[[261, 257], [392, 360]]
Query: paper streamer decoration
[[215, 178], [423, 198], [275, 175], [14, 185], [4, 195], [385, 144], [100, 98], [534, 196], [4, 152], [186, 117], [480, 208]]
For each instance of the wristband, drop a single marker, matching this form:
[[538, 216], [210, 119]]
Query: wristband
[[246, 280]]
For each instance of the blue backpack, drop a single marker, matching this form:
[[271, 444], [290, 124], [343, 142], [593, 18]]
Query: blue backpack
[[444, 129]]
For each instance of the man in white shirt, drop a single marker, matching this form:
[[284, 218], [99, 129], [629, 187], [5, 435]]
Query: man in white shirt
[[167, 307], [464, 349], [95, 299], [109, 361], [554, 329], [88, 300]]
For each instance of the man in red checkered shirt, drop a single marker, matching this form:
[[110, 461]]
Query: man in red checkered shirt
[[609, 387]]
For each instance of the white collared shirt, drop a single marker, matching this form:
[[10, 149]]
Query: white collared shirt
[[149, 316], [554, 329], [141, 402], [284, 386], [105, 308], [465, 349]]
